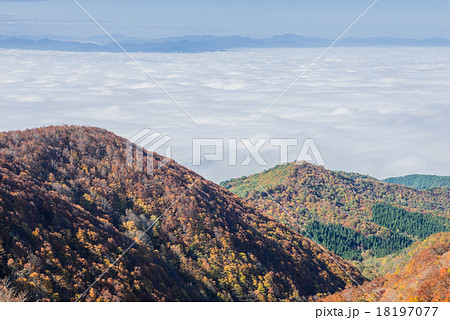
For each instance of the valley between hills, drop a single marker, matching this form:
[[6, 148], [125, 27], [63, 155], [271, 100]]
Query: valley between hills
[[78, 224]]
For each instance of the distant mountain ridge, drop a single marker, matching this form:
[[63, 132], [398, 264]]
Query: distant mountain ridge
[[204, 43], [421, 181]]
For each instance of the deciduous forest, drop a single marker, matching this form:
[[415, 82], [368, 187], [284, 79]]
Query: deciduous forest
[[70, 207], [77, 223]]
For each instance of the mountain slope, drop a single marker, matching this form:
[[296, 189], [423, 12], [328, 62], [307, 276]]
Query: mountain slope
[[205, 43], [347, 212], [421, 181], [70, 206], [53, 248], [420, 273]]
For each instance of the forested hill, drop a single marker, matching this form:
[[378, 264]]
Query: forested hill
[[420, 273], [353, 215], [70, 206], [421, 181]]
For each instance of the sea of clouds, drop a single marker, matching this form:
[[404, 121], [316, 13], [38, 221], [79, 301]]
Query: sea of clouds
[[378, 111]]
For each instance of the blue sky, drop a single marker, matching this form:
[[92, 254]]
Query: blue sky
[[154, 19]]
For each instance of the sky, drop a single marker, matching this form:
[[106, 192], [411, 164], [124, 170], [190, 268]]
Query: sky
[[377, 111], [262, 18]]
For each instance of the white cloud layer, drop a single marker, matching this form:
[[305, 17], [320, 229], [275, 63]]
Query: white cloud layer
[[376, 111]]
